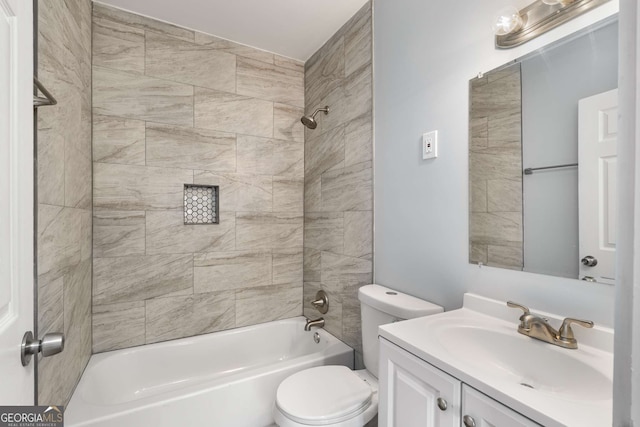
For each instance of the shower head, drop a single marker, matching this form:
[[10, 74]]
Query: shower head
[[310, 121]]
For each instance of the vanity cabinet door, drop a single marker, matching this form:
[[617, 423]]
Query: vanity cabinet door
[[479, 410], [414, 393]]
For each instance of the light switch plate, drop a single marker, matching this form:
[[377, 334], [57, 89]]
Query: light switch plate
[[430, 145]]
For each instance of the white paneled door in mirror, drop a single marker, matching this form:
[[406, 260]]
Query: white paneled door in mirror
[[597, 156]]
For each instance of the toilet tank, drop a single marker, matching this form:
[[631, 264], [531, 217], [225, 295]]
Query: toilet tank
[[379, 306]]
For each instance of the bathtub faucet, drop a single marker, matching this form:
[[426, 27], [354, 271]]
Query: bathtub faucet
[[318, 323]]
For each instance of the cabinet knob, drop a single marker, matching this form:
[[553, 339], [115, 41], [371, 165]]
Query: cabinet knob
[[442, 404], [468, 421]]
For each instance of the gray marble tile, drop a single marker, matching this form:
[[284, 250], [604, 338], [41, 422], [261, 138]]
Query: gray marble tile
[[117, 46], [287, 267], [324, 152], [478, 253], [288, 194], [351, 323], [77, 296], [347, 189], [358, 140], [240, 192], [118, 140], [255, 155], [506, 256], [503, 163], [358, 234], [358, 40], [117, 93], [190, 148], [336, 100], [311, 265], [224, 45], [268, 231], [77, 170], [292, 64], [324, 231], [60, 233], [186, 62], [228, 112], [166, 233], [118, 326], [118, 233], [478, 195], [324, 71], [287, 124], [125, 187], [268, 156], [498, 228], [358, 93], [137, 278], [505, 129], [312, 194], [259, 305], [220, 271], [479, 133], [497, 97], [140, 22], [504, 195], [310, 288], [178, 317], [50, 150], [339, 271], [50, 304], [261, 80]]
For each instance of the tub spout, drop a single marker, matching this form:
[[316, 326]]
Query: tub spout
[[318, 323]]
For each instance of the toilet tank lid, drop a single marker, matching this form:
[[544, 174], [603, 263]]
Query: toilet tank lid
[[396, 303]]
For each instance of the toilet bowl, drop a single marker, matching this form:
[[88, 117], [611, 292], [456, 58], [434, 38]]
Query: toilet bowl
[[336, 396]]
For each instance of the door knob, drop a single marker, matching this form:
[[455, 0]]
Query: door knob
[[589, 261], [49, 345]]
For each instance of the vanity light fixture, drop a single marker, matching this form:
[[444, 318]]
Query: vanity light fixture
[[513, 28]]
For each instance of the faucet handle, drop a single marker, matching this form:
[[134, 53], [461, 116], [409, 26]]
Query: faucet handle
[[512, 304], [566, 333], [526, 315]]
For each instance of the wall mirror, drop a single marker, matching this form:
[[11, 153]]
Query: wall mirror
[[542, 159]]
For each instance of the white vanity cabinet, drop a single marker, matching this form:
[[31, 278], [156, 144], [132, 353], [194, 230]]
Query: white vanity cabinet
[[479, 410], [414, 393]]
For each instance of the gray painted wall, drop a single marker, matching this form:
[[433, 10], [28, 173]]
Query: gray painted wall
[[552, 84], [421, 207]]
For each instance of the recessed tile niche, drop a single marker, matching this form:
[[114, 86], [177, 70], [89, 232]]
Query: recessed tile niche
[[201, 204]]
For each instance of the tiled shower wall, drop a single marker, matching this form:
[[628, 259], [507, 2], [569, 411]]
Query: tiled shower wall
[[338, 176], [64, 194], [172, 107], [495, 170]]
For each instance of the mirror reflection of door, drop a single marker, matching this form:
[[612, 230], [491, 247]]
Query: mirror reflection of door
[[598, 131]]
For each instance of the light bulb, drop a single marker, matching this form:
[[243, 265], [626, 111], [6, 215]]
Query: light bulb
[[507, 21]]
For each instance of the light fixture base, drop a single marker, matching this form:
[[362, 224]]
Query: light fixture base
[[538, 18]]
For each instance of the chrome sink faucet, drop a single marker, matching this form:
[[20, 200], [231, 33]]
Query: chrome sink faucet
[[539, 328]]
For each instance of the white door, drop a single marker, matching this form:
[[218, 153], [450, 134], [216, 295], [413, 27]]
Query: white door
[[16, 198], [482, 411], [597, 157], [413, 393]]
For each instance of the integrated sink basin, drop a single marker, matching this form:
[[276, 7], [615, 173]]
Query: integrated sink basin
[[523, 361], [480, 345]]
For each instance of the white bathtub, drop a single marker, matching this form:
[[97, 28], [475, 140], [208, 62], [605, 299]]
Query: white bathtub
[[221, 379]]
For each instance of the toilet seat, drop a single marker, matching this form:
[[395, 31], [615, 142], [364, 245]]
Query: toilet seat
[[326, 396]]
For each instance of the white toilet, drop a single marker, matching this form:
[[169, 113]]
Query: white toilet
[[336, 395]]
